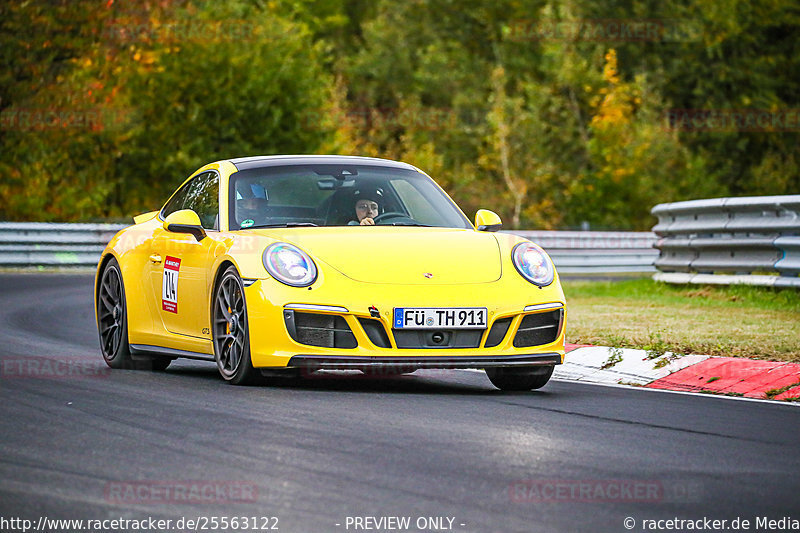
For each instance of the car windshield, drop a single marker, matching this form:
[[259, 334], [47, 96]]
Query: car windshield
[[338, 195]]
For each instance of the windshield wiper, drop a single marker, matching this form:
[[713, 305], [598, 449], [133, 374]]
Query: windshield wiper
[[411, 224], [285, 225]]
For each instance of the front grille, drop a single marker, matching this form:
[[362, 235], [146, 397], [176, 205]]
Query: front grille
[[440, 338], [538, 329], [315, 329]]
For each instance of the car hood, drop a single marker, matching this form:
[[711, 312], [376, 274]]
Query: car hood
[[405, 255]]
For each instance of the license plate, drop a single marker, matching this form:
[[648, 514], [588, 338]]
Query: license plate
[[440, 318]]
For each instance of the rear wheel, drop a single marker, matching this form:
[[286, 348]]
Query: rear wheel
[[520, 379], [112, 320], [112, 324], [230, 331]]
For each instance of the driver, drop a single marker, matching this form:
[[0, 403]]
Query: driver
[[367, 206], [251, 205], [366, 211]]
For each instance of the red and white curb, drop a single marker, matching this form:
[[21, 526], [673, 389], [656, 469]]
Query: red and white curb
[[730, 376], [600, 364]]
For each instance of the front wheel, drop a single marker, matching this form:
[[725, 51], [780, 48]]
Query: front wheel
[[230, 330], [520, 379]]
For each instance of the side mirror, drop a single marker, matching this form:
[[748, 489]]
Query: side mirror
[[486, 220], [185, 221]]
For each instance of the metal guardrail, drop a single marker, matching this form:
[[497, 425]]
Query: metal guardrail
[[750, 240], [597, 252], [32, 244]]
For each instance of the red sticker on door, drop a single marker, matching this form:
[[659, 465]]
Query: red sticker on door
[[169, 289]]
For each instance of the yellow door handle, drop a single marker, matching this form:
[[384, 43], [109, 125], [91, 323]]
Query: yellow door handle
[[155, 258]]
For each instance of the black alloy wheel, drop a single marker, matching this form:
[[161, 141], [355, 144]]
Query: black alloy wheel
[[230, 330], [112, 324]]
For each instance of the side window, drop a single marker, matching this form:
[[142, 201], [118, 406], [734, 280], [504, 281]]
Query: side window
[[178, 199], [205, 201], [201, 195]]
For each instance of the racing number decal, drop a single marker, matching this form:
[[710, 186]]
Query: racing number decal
[[169, 290]]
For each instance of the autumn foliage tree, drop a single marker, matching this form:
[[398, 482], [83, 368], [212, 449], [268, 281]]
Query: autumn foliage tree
[[533, 108], [150, 93]]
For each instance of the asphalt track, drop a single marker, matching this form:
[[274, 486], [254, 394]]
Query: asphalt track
[[434, 444]]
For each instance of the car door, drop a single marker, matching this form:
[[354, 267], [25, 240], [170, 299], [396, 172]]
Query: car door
[[179, 263]]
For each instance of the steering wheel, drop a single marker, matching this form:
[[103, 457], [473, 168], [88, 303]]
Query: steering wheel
[[388, 215]]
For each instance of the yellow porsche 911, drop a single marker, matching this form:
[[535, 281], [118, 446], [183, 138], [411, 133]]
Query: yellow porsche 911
[[294, 264]]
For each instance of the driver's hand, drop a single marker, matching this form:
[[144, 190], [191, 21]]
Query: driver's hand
[[367, 221]]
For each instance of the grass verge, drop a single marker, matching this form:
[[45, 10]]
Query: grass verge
[[735, 321]]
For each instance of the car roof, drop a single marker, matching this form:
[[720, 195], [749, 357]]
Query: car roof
[[247, 163]]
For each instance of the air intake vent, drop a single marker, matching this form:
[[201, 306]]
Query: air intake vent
[[498, 332], [314, 329], [376, 332], [538, 329]]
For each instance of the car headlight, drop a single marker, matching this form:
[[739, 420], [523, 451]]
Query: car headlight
[[290, 265], [533, 264]]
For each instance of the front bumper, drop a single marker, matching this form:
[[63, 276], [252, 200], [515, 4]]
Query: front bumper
[[273, 311], [323, 362]]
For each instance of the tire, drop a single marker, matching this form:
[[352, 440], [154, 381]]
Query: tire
[[112, 318], [157, 364], [230, 331], [112, 324], [520, 379]]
